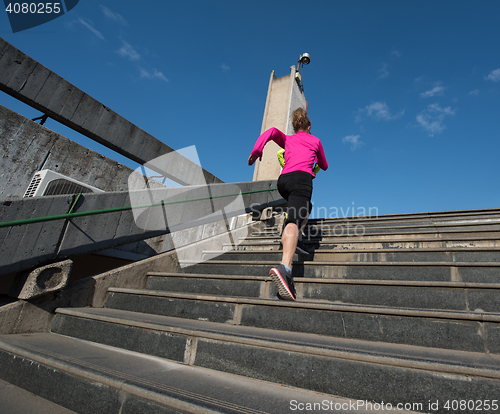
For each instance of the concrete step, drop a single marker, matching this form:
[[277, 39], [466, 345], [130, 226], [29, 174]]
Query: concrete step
[[460, 330], [92, 378], [359, 230], [426, 219], [360, 243], [376, 255], [356, 369], [429, 221], [402, 294], [384, 225], [15, 400], [407, 236], [224, 285], [477, 272], [446, 216]]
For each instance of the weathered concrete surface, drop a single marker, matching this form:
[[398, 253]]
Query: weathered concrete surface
[[15, 400], [32, 83], [28, 147], [283, 97], [36, 315], [34, 244], [43, 280], [194, 251]]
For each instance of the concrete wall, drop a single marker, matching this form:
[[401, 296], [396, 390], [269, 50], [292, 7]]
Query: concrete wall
[[156, 212], [28, 147], [283, 97], [297, 100]]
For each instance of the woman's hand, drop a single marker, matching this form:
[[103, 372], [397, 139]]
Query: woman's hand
[[252, 158]]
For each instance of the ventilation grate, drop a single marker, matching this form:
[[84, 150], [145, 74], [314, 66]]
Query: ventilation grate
[[61, 186], [35, 182], [50, 183]]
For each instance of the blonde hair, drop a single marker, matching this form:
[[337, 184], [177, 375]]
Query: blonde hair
[[300, 121]]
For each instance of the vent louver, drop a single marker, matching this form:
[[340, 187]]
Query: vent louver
[[47, 182]]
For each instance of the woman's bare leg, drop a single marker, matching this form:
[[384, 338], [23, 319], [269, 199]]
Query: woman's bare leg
[[289, 241], [303, 226]]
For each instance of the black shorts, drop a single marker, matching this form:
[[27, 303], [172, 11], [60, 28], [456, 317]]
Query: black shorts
[[296, 188]]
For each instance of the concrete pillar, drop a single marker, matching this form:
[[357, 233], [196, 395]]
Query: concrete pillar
[[283, 97]]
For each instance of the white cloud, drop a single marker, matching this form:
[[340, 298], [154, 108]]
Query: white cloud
[[474, 92], [155, 74], [159, 75], [383, 72], [418, 80], [225, 68], [494, 76], [113, 16], [379, 111], [437, 90], [432, 118], [435, 108], [396, 53], [128, 51], [353, 140], [88, 25]]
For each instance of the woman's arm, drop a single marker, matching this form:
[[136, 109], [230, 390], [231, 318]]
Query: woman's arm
[[322, 162], [252, 158], [273, 134]]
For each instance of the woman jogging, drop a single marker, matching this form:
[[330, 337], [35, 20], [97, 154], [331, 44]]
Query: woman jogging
[[302, 151], [301, 247]]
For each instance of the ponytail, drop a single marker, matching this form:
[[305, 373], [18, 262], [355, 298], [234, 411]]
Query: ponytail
[[300, 121]]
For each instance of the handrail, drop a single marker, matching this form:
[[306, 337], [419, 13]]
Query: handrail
[[71, 215]]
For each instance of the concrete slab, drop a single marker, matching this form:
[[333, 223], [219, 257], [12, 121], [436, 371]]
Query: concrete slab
[[459, 330], [15, 400], [156, 382], [358, 369], [408, 355]]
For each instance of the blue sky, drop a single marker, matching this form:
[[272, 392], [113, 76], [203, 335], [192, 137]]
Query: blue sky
[[405, 95]]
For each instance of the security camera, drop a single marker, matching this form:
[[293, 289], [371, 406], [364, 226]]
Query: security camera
[[305, 59]]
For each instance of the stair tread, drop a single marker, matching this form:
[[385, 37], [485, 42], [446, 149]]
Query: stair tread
[[343, 263], [441, 346], [445, 213], [409, 356], [405, 224], [377, 251], [384, 282], [322, 305], [275, 240], [159, 380], [399, 232]]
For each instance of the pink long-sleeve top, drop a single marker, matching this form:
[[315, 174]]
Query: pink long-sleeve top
[[302, 150]]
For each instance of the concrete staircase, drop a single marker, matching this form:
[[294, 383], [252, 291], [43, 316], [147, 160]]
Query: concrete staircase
[[396, 311]]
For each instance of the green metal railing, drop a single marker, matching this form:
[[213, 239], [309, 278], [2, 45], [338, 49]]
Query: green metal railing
[[70, 215]]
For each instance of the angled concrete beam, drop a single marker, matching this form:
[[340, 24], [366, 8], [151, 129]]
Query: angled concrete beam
[[32, 83]]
